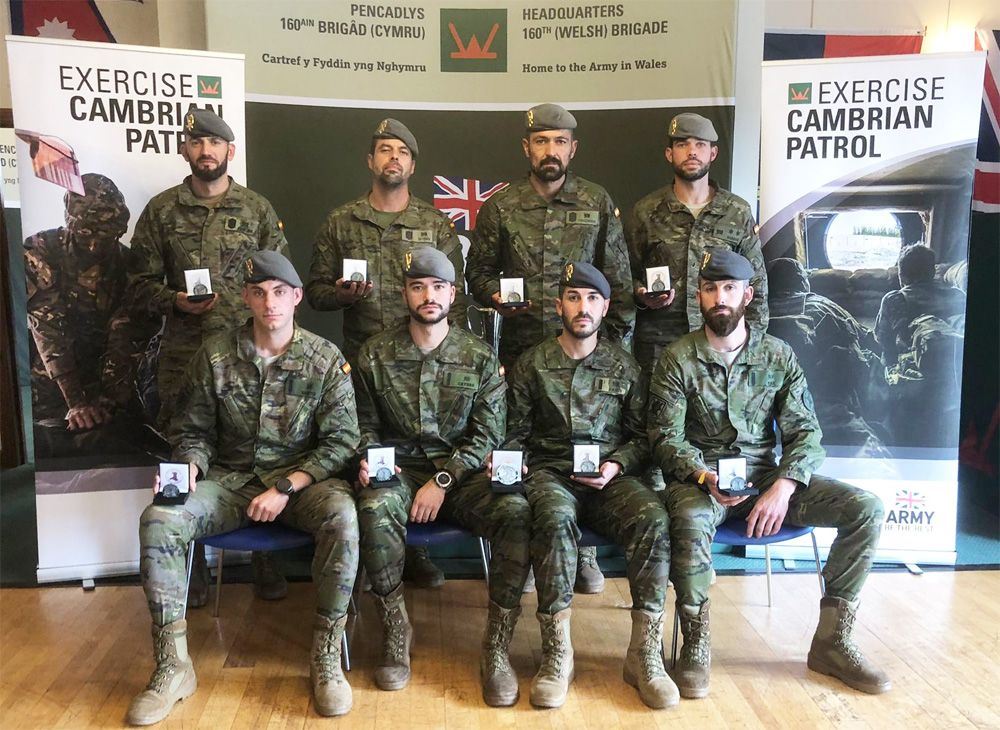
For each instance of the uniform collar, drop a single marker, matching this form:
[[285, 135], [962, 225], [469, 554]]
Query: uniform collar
[[232, 199], [568, 193], [448, 351], [749, 355], [602, 358], [290, 359], [719, 198], [409, 217]]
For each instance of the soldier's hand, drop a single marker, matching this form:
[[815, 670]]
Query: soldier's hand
[[664, 299], [85, 418], [712, 482], [181, 302], [365, 478], [353, 292], [266, 506], [767, 516], [192, 478], [609, 470], [508, 312], [426, 502], [489, 466]]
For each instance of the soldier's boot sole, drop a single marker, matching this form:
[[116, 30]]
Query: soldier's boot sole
[[820, 665], [150, 707], [658, 695]]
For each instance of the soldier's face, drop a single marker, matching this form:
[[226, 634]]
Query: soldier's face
[[549, 153], [582, 311], [691, 158], [391, 163], [208, 156], [723, 304], [429, 299], [272, 304]]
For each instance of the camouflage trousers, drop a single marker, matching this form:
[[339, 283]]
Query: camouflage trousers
[[503, 519], [856, 513], [325, 509], [626, 511]]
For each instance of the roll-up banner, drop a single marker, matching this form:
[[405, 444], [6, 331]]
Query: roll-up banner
[[866, 162], [104, 121]]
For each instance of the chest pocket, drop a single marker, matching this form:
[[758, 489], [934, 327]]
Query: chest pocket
[[764, 383], [302, 395], [705, 417], [239, 239], [458, 391], [609, 399]]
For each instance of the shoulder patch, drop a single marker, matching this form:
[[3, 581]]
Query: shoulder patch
[[345, 368], [501, 371], [618, 213], [281, 226]]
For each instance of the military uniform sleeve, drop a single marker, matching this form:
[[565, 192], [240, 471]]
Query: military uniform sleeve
[[633, 454], [486, 425], [637, 240], [757, 312], [520, 399], [369, 421], [272, 233], [327, 262], [890, 319], [667, 416], [192, 431], [483, 270], [795, 412], [146, 268], [451, 246], [337, 424], [621, 314]]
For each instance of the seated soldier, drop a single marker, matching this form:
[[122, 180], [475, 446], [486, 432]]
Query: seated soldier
[[580, 389], [719, 392], [435, 394], [267, 417]]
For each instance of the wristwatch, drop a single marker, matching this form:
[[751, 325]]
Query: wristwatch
[[444, 479], [285, 486]]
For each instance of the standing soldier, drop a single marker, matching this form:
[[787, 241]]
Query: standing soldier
[[530, 230], [207, 222], [579, 389], [266, 418], [673, 226], [379, 228], [723, 391], [435, 393]]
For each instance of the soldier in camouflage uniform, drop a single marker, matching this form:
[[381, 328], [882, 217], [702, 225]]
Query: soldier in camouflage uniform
[[673, 226], [207, 222], [435, 393], [579, 388], [267, 417], [530, 230], [718, 392]]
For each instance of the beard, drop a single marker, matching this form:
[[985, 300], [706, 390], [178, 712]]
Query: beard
[[210, 175], [723, 322], [428, 318], [391, 180], [691, 175], [548, 174], [581, 334]]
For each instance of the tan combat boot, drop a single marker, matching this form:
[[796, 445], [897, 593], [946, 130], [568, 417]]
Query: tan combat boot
[[393, 670], [644, 662], [834, 653], [173, 679], [589, 578], [551, 683], [498, 678], [331, 693], [692, 670]]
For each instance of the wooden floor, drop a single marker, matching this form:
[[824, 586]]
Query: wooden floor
[[70, 659]]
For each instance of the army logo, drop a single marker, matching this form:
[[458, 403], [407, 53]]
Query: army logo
[[189, 122], [569, 271], [473, 40], [381, 127], [706, 259], [800, 93], [409, 260], [531, 118], [673, 128], [249, 265]]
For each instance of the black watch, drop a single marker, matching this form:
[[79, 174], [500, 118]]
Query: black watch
[[285, 486], [444, 479]]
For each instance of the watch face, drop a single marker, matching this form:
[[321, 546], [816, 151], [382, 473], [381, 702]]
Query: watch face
[[443, 479], [506, 474]]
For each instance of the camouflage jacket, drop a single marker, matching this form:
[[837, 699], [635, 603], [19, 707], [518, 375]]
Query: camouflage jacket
[[76, 318], [447, 406], [177, 231], [699, 412], [555, 402], [899, 308], [662, 232], [521, 235], [352, 232], [236, 422]]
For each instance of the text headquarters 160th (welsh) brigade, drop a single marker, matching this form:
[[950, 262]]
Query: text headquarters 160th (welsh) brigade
[[274, 428]]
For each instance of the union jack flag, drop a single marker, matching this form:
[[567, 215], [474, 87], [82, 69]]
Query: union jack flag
[[986, 193], [909, 500], [461, 198]]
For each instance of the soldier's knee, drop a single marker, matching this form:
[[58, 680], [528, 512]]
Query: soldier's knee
[[553, 524], [868, 508], [159, 522]]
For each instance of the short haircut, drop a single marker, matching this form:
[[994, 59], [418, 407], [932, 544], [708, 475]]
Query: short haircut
[[916, 263], [529, 132]]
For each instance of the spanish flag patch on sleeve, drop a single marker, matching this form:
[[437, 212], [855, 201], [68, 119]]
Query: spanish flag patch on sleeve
[[346, 367], [502, 371]]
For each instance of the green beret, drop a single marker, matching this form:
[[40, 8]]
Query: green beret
[[581, 275], [544, 117], [692, 125], [203, 123], [395, 129], [267, 265], [426, 262], [721, 264]]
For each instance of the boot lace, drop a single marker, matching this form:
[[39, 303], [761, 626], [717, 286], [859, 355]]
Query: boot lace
[[695, 649], [651, 651], [844, 644], [553, 649], [501, 631], [393, 640], [328, 660], [166, 665]]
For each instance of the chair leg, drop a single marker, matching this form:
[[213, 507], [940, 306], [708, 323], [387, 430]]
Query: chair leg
[[673, 639], [767, 567], [483, 555], [345, 652], [819, 569], [187, 583], [218, 583]]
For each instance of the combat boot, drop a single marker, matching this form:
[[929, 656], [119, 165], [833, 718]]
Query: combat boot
[[644, 662], [331, 693], [393, 670], [834, 653], [498, 678], [551, 683], [589, 578], [173, 678], [200, 578], [419, 569], [268, 583], [692, 670]]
